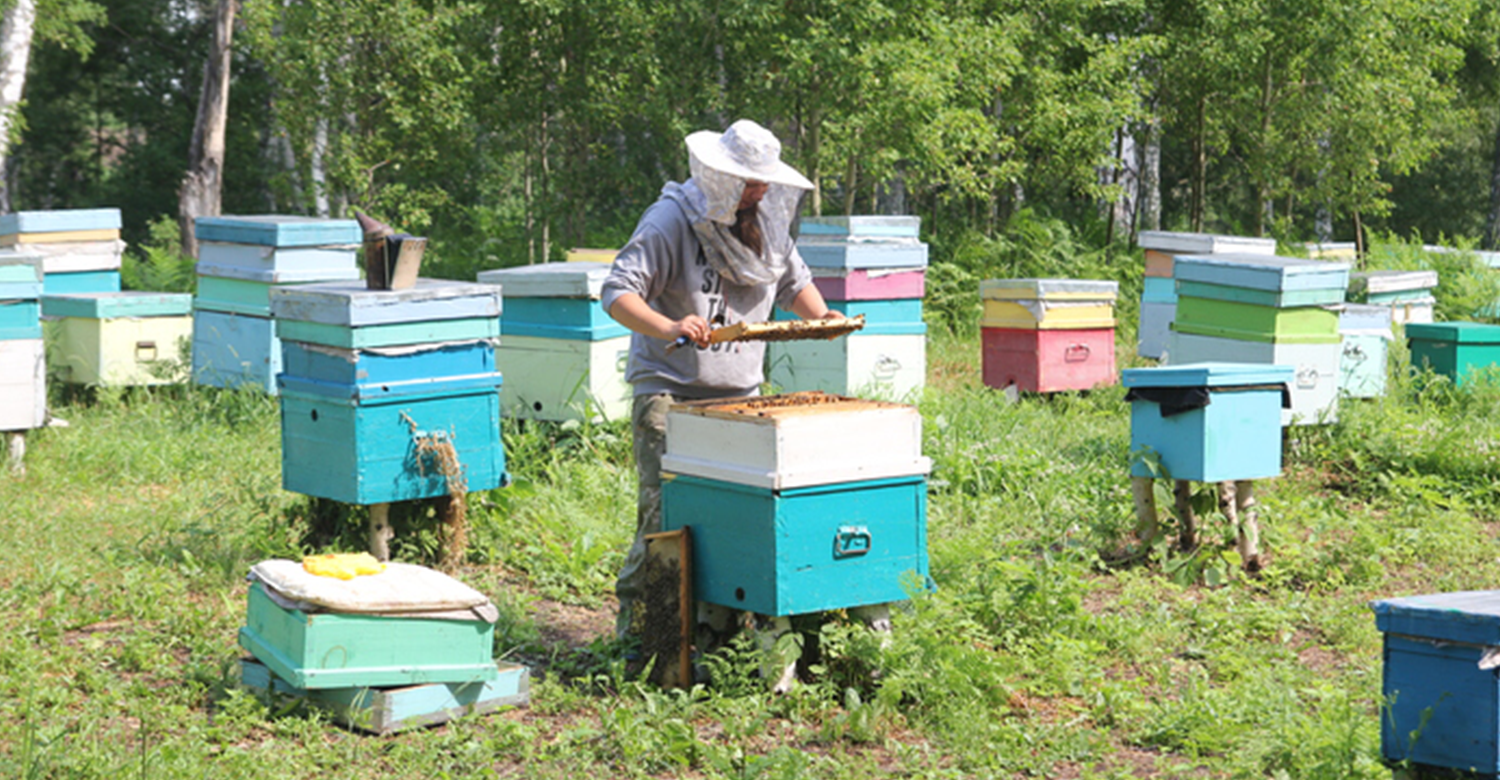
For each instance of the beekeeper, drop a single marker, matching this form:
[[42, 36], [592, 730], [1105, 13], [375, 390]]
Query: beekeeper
[[714, 250]]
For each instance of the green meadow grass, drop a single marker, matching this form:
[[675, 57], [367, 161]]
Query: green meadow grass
[[1039, 654]]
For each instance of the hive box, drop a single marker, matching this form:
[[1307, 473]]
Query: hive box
[[549, 280], [324, 650], [1155, 328], [564, 379], [345, 314], [75, 282], [1365, 329], [119, 339], [888, 366], [76, 256], [868, 284], [346, 445], [1388, 286], [1454, 349], [579, 319], [230, 350], [1158, 289], [796, 440], [1435, 682], [860, 227], [1162, 247], [276, 230], [304, 263], [1263, 272], [60, 221], [387, 710], [23, 384], [895, 317], [239, 290], [1048, 303], [1418, 310], [1235, 437], [818, 252], [1315, 382], [1249, 322], [799, 550], [1264, 298], [371, 373], [1048, 361], [20, 319], [592, 255]]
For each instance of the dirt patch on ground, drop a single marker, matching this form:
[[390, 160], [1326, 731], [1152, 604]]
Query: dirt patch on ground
[[573, 626]]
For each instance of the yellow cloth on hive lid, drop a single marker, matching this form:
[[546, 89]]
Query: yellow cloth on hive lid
[[345, 566]]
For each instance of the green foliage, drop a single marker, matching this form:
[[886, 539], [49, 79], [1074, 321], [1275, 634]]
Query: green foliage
[[161, 265]]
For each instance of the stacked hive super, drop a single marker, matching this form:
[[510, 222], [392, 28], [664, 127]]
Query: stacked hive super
[[1046, 335], [240, 258], [389, 395], [1268, 310], [395, 648], [798, 503], [118, 339], [1366, 329], [562, 355], [23, 366], [1159, 295], [1408, 294], [80, 249], [874, 266]]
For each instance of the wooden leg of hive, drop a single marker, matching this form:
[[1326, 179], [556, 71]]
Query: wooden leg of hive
[[452, 511], [1187, 530], [15, 445], [1144, 491], [1249, 526], [380, 531]]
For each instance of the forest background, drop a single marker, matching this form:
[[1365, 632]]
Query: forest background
[[509, 131]]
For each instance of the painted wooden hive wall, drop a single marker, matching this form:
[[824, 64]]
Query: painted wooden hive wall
[[864, 284], [1315, 383], [1046, 361], [230, 350], [1457, 350], [121, 351], [564, 379], [580, 319], [20, 319], [81, 282], [23, 384], [1251, 322], [883, 317], [892, 367], [1235, 437], [1155, 328], [795, 551]]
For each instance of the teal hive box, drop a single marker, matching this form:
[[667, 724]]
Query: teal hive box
[[20, 268], [370, 373], [242, 291], [365, 450], [888, 317], [231, 350], [800, 550], [861, 227], [578, 319], [74, 282], [1454, 349], [1443, 706], [323, 650], [1235, 436], [1159, 289], [1262, 272], [277, 230], [1320, 296], [20, 320], [66, 220], [1366, 328], [312, 262]]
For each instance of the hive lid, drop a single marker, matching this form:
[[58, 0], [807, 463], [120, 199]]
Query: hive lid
[[1466, 616], [351, 303], [1049, 289], [277, 230], [106, 305], [1206, 243], [1207, 375], [1392, 281], [550, 280], [1262, 272], [861, 226], [1459, 332], [770, 408], [371, 393], [402, 587], [66, 220]]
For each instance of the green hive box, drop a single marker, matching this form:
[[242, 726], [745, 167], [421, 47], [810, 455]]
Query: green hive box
[[1249, 322], [315, 651], [1454, 349]]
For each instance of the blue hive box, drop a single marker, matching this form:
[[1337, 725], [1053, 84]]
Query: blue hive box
[[62, 221], [1236, 436], [277, 230], [1263, 272], [870, 227], [578, 319], [295, 264], [346, 314], [1443, 703], [230, 350], [370, 373], [894, 317], [79, 282], [21, 319], [800, 550], [1159, 289], [363, 449], [903, 253]]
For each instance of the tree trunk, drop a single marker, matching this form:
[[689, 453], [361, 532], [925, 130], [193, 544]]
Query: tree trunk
[[318, 167], [1149, 202], [1492, 221], [814, 129], [202, 188], [1200, 168], [15, 52]]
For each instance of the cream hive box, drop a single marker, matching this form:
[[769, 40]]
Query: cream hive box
[[119, 339]]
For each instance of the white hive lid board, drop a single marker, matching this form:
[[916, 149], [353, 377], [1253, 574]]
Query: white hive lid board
[[1393, 281], [1204, 243], [269, 276], [754, 441], [352, 304], [550, 280], [402, 587], [1048, 289], [73, 256], [20, 266]]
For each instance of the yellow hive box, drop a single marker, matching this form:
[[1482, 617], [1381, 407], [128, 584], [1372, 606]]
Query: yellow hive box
[[1048, 315]]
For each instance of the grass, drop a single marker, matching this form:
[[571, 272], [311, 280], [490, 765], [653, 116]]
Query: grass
[[123, 551]]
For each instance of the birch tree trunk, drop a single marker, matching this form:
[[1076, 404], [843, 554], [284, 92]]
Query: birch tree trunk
[[202, 188], [15, 52], [1149, 201], [1492, 220]]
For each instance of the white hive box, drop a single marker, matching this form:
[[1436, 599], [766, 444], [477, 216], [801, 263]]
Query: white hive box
[[23, 384], [795, 440], [564, 379], [888, 366], [1315, 378]]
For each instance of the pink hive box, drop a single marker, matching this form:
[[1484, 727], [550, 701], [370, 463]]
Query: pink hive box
[[869, 284]]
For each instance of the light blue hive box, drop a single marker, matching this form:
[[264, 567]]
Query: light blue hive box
[[860, 227], [1284, 276], [1366, 329], [1443, 703], [360, 441], [59, 221], [233, 350], [276, 230], [239, 290], [1236, 436]]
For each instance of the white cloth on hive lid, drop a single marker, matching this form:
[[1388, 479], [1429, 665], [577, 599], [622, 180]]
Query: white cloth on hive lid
[[403, 588]]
